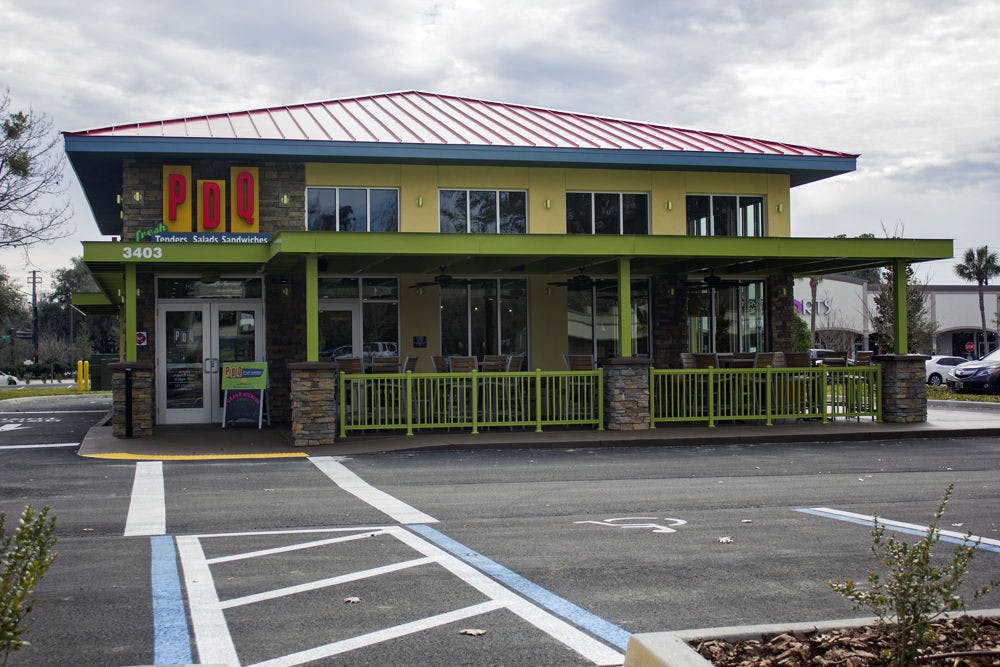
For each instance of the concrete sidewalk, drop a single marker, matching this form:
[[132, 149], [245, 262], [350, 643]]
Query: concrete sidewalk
[[944, 420]]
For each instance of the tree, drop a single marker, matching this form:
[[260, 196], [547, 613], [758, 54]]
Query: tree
[[978, 266], [33, 203], [919, 325], [67, 334]]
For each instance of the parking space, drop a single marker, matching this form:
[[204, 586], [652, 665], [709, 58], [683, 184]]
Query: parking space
[[556, 555]]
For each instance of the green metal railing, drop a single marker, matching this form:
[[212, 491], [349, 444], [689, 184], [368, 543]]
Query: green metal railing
[[746, 394], [411, 401]]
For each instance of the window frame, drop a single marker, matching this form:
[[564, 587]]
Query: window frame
[[368, 206], [621, 211], [497, 209], [499, 320], [741, 223]]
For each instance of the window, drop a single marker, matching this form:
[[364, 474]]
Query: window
[[352, 209], [592, 317], [725, 215], [607, 213], [379, 314], [727, 318], [483, 211], [484, 316]]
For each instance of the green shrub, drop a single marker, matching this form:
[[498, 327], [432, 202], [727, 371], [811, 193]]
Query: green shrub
[[24, 557], [911, 592]]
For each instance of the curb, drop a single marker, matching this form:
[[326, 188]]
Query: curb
[[671, 649]]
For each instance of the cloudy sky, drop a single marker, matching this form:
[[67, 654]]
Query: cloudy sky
[[913, 86]]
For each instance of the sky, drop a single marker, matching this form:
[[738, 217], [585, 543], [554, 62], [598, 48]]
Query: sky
[[912, 86]]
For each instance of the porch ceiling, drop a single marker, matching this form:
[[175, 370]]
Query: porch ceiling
[[343, 253]]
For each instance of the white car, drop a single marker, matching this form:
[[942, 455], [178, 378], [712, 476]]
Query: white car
[[938, 367], [7, 379]]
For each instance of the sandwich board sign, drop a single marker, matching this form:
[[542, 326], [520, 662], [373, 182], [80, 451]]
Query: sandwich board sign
[[244, 386]]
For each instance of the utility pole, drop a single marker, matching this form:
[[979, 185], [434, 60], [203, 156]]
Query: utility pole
[[35, 281]]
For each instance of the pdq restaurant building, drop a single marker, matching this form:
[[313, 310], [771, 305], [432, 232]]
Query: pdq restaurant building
[[425, 225]]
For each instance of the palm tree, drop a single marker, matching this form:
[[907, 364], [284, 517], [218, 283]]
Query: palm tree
[[978, 266]]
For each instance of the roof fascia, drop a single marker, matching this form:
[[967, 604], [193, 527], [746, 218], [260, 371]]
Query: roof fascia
[[801, 168]]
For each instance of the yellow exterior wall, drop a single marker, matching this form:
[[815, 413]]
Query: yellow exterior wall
[[419, 315], [547, 323], [419, 184]]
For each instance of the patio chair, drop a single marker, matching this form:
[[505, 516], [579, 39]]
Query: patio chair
[[706, 360], [461, 364], [579, 362], [863, 358], [439, 363], [409, 364], [493, 363], [515, 363], [687, 360], [385, 364]]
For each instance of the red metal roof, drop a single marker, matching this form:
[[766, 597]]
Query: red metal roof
[[414, 117]]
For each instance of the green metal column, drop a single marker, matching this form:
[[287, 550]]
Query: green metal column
[[899, 301], [624, 307], [131, 324], [312, 308]]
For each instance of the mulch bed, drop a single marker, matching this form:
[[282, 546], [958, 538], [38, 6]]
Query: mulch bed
[[857, 647]]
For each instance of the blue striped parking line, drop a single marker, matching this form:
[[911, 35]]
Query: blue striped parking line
[[612, 634], [984, 543], [171, 640]]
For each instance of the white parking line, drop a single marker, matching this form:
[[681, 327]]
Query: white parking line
[[380, 500], [293, 547], [324, 583], [395, 632], [215, 643], [52, 444], [147, 514]]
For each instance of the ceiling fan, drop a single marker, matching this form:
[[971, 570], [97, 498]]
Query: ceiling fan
[[440, 280], [579, 281], [712, 280]]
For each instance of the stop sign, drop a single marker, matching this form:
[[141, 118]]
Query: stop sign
[[970, 346]]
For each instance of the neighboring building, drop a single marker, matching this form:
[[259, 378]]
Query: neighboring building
[[433, 225], [844, 308]]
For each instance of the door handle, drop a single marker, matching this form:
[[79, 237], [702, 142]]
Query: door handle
[[215, 364]]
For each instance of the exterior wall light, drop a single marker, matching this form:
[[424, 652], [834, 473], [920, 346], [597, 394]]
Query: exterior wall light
[[420, 200], [137, 196], [548, 203], [779, 208], [670, 205], [284, 200]]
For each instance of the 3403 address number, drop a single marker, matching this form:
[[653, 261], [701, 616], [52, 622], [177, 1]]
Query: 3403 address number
[[146, 252]]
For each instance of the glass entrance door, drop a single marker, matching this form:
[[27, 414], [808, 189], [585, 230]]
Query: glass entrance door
[[197, 338], [339, 329]]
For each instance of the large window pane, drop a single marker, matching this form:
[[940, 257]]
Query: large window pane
[[635, 214], [752, 338], [353, 210], [338, 288], [580, 319], [725, 311], [699, 313], [380, 322], [513, 317], [454, 320], [699, 220], [513, 212], [606, 319], [578, 213], [482, 212], [322, 205], [483, 316], [724, 216], [640, 317], [751, 216], [195, 288], [453, 211], [607, 213], [384, 210]]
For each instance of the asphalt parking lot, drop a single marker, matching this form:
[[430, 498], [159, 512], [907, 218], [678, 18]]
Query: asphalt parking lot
[[557, 555]]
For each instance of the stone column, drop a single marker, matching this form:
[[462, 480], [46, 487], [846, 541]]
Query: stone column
[[904, 387], [140, 403], [669, 320], [314, 403], [626, 393], [780, 313]]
